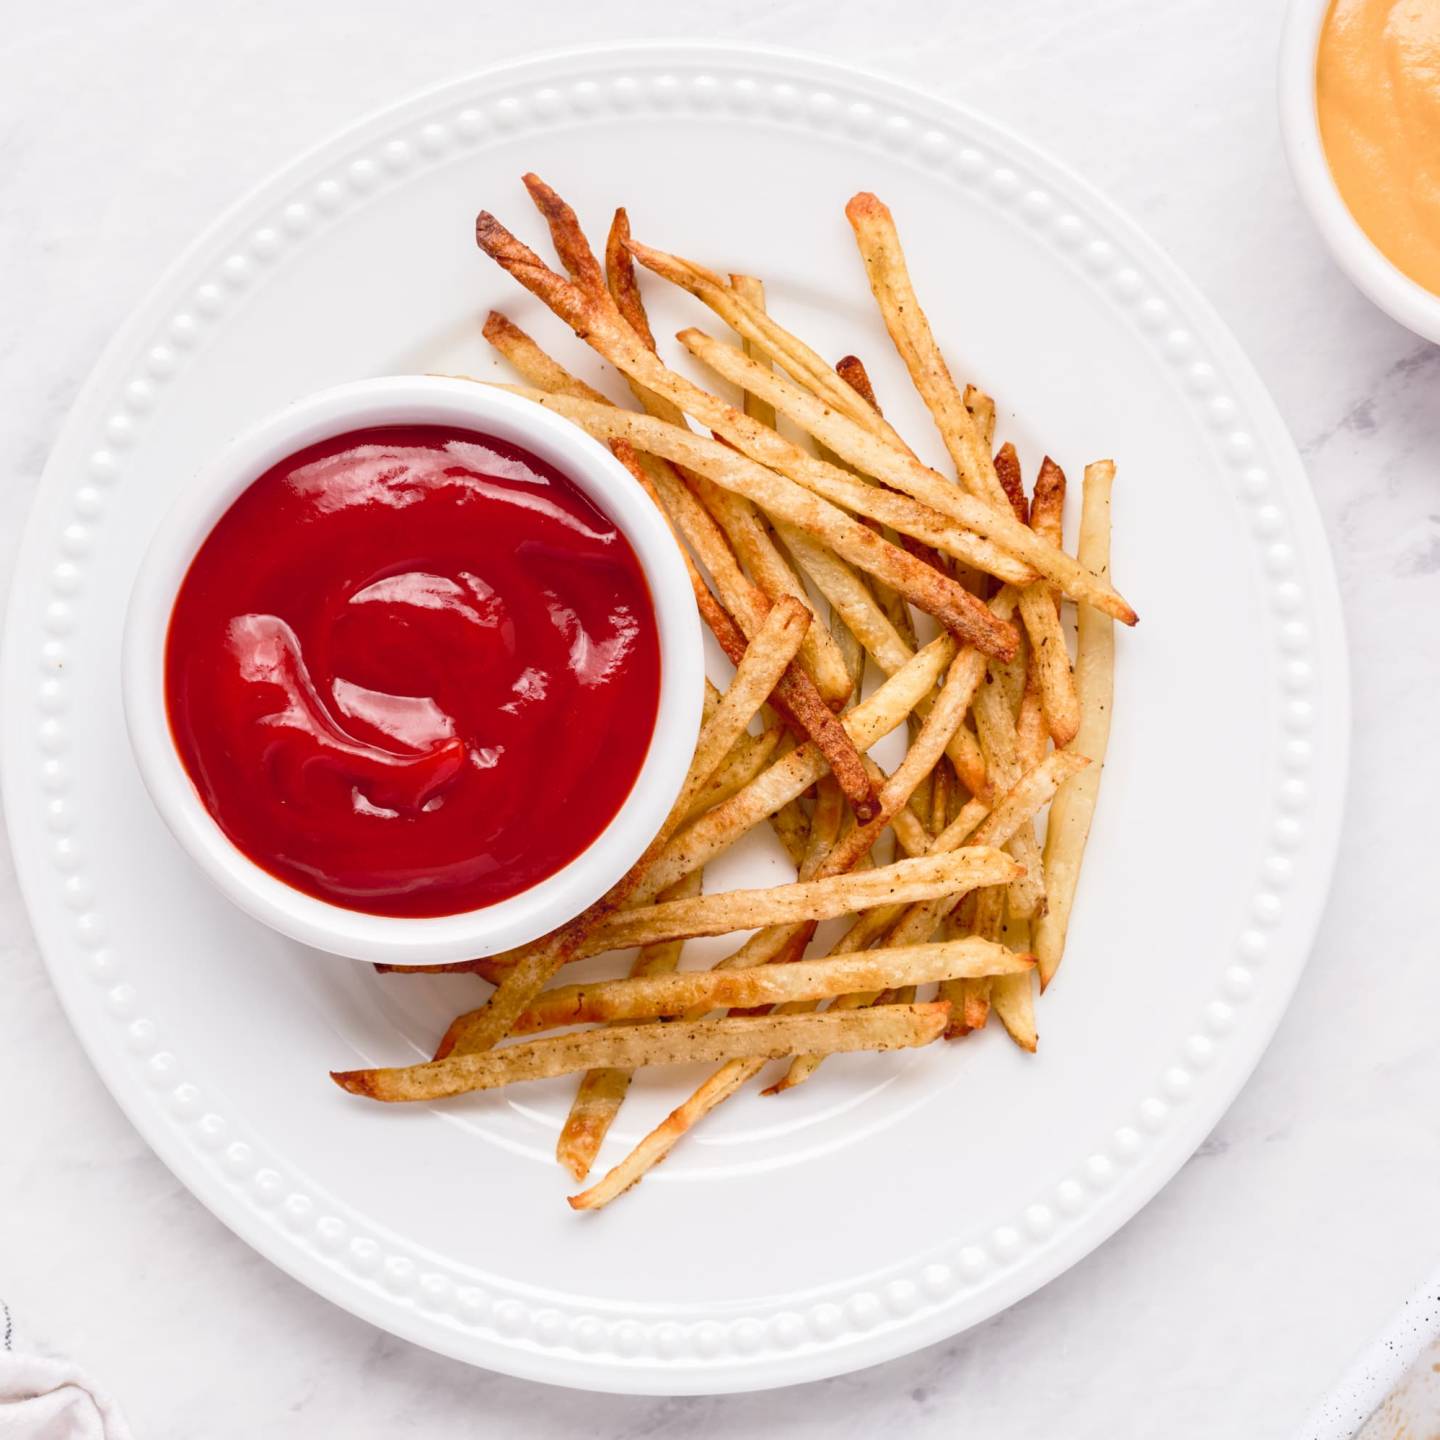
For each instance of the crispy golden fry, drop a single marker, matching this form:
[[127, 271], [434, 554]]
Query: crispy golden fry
[[995, 722], [982, 412], [1032, 739], [788, 778], [762, 331], [852, 371], [1074, 806], [718, 1088], [884, 261], [872, 457], [969, 996], [648, 998], [766, 659], [838, 894], [735, 515], [923, 755], [1012, 997], [601, 1093], [1041, 618], [808, 510], [567, 236], [596, 321], [631, 1046], [1014, 810], [849, 597], [1007, 472], [918, 1025], [751, 289], [797, 696], [747, 758], [758, 552]]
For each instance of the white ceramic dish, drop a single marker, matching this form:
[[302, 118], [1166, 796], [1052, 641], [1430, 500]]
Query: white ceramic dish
[[426, 400], [838, 1226], [1356, 254]]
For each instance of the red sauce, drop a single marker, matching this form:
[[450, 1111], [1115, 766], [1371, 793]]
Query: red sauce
[[413, 670]]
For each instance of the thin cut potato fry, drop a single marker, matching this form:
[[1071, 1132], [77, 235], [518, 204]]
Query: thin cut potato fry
[[851, 369], [759, 667], [788, 778], [982, 412], [1015, 809], [1050, 656], [849, 597], [718, 1088], [872, 457], [996, 726], [631, 1046], [595, 320], [1007, 471], [1074, 806], [735, 515], [1012, 997], [969, 996], [838, 894], [766, 659], [648, 998], [601, 1093], [884, 261], [747, 758]]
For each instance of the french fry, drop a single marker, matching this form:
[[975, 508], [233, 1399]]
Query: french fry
[[996, 726], [789, 777], [765, 333], [632, 1046], [718, 1088], [851, 369], [884, 262], [596, 321], [1073, 810], [901, 471], [1007, 472], [763, 661], [734, 514], [969, 996], [650, 997], [1012, 997], [747, 758], [906, 881], [1040, 616], [601, 1093], [808, 510]]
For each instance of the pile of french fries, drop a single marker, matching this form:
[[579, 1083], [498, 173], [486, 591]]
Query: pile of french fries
[[811, 562]]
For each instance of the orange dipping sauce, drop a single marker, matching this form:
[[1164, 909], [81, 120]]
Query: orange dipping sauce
[[1377, 97]]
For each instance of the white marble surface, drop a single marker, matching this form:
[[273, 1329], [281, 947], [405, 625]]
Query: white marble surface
[[1238, 1296]]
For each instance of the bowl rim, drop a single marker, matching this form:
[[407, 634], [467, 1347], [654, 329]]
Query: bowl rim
[[397, 940], [1400, 297]]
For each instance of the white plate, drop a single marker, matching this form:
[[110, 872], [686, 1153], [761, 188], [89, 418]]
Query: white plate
[[893, 1201]]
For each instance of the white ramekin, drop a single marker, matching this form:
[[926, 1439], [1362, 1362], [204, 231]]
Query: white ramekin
[[1392, 290], [413, 399]]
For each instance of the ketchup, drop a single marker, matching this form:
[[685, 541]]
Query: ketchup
[[413, 670]]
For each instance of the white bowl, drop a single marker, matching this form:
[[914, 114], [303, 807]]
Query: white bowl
[[1390, 288], [404, 941]]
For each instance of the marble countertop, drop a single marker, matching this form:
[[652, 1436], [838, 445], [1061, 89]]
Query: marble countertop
[[1236, 1298]]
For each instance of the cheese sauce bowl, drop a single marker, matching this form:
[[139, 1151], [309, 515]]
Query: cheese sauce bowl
[[187, 800], [1400, 297]]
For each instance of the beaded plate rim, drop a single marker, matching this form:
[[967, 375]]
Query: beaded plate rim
[[403, 1288]]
